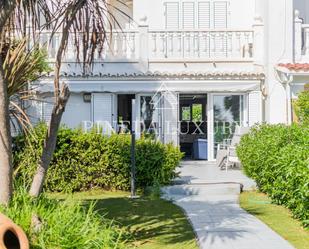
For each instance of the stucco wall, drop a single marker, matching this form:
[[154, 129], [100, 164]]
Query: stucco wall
[[76, 111], [278, 42]]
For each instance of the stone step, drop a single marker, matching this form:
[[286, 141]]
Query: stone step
[[202, 189]]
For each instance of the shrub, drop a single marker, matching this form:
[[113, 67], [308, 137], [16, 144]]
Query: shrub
[[65, 224], [277, 158], [85, 160], [302, 107]]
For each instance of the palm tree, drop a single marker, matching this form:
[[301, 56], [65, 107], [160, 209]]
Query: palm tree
[[85, 22], [13, 16]]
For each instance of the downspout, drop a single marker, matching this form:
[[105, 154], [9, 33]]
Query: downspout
[[264, 97], [285, 78]]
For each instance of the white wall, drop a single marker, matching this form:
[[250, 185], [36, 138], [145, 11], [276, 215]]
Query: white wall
[[241, 12], [76, 111], [278, 19]]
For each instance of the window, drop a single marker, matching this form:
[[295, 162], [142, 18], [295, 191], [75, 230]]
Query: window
[[185, 113], [196, 14], [197, 113]]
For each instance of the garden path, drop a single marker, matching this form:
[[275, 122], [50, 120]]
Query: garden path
[[209, 196]]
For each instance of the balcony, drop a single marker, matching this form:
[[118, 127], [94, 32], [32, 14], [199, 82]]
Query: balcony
[[166, 46]]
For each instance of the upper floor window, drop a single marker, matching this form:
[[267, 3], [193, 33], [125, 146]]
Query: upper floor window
[[196, 14]]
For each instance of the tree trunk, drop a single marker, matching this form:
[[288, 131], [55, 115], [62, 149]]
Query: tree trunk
[[59, 107], [6, 8], [61, 98], [50, 142], [5, 144]]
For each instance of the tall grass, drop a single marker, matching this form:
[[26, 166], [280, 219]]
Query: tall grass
[[64, 224]]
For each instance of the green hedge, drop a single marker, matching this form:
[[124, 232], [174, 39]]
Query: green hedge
[[301, 106], [85, 160], [277, 158]]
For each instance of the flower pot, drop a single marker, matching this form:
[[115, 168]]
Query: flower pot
[[11, 235]]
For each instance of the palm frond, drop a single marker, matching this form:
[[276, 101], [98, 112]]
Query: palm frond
[[22, 66]]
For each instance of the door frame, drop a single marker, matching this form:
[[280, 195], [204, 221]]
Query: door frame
[[138, 112], [210, 118]]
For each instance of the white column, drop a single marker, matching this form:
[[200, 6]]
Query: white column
[[143, 47], [298, 36], [258, 40]]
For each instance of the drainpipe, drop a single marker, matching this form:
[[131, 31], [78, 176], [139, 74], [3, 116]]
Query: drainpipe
[[264, 97], [288, 100], [285, 78]]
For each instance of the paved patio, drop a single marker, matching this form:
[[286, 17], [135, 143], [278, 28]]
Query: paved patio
[[209, 197]]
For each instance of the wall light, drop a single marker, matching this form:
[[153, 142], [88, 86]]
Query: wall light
[[87, 97]]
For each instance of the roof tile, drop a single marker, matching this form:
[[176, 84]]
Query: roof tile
[[297, 67]]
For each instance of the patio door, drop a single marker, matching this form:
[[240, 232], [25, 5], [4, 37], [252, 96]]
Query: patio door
[[148, 116], [228, 111]]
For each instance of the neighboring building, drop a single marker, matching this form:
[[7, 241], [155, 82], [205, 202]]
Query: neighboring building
[[210, 64]]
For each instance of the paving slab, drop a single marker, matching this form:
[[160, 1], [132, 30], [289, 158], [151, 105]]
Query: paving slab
[[214, 211]]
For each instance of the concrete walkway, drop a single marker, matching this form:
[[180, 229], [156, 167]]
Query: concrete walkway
[[209, 197]]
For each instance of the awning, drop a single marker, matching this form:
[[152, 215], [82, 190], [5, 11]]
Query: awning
[[153, 86], [214, 81]]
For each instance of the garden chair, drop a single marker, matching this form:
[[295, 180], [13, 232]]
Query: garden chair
[[226, 153]]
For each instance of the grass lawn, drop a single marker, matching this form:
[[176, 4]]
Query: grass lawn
[[154, 224], [277, 217]]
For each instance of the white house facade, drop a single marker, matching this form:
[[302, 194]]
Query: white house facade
[[184, 70]]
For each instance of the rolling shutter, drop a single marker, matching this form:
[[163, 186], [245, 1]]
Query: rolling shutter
[[188, 15], [220, 14], [102, 111], [172, 15], [204, 15], [255, 108]]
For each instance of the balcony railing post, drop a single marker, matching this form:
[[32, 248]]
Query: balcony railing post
[[143, 46], [258, 41], [298, 36], [306, 41]]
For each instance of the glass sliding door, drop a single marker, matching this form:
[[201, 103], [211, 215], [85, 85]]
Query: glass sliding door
[[228, 112], [148, 116]]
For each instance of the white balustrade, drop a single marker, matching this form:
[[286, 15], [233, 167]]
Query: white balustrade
[[120, 45], [301, 42], [201, 45], [305, 28], [196, 45]]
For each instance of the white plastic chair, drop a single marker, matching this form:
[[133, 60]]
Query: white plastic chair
[[226, 154]]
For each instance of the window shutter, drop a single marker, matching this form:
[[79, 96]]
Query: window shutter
[[220, 14], [188, 17], [172, 15], [102, 111], [255, 107], [204, 15]]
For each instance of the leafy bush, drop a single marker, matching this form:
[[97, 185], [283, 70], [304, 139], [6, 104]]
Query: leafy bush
[[85, 160], [64, 224], [302, 107], [277, 158]]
